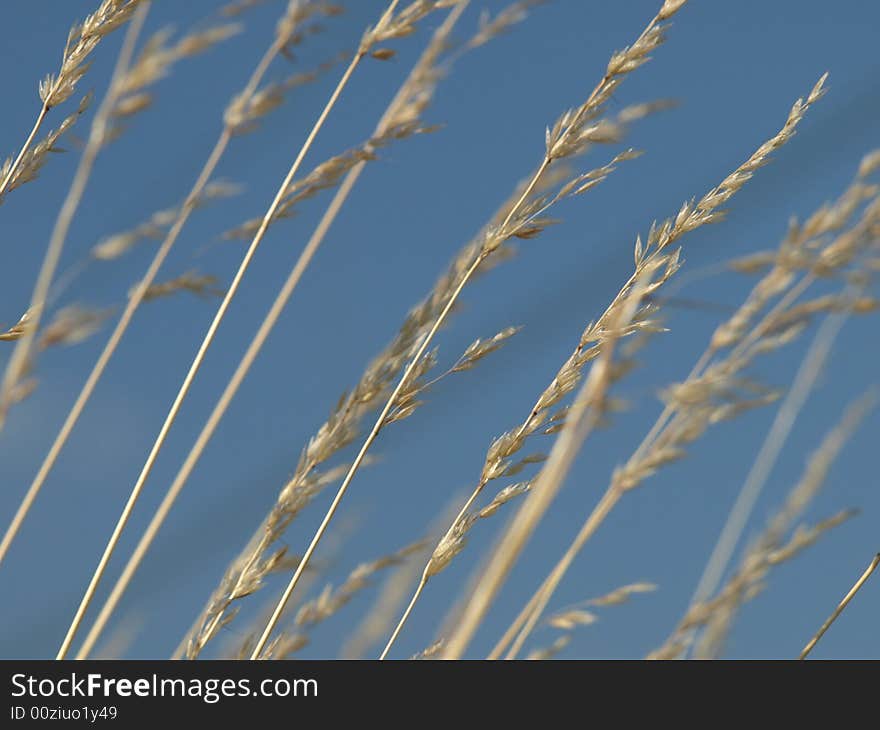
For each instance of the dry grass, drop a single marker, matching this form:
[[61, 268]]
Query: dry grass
[[823, 268]]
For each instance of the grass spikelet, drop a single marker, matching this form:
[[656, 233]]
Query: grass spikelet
[[155, 62], [28, 165], [202, 285], [71, 326]]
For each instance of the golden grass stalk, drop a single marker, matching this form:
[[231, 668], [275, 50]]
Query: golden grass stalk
[[380, 421], [54, 90], [194, 197], [403, 109], [245, 574], [570, 135], [842, 605], [663, 451], [640, 466], [499, 462], [71, 325], [203, 348], [154, 63]]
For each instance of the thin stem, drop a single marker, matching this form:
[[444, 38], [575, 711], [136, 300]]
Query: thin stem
[[377, 426], [25, 147], [20, 356], [545, 163], [203, 348], [422, 583], [132, 305], [843, 604], [241, 371]]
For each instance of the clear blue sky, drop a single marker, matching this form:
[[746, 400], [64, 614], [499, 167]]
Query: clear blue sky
[[735, 68]]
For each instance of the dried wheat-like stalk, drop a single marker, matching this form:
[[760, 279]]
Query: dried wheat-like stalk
[[573, 133], [842, 605], [718, 391], [500, 462], [716, 614], [246, 109], [391, 25], [55, 89], [118, 244], [691, 216], [218, 150], [245, 112], [20, 361], [246, 573], [197, 194]]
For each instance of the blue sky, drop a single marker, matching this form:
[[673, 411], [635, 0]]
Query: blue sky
[[734, 68]]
